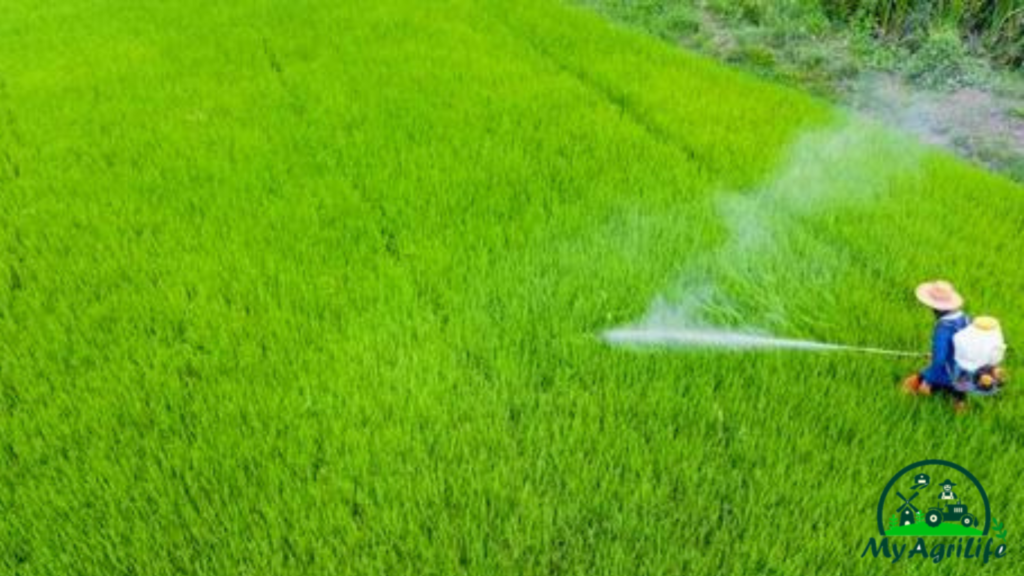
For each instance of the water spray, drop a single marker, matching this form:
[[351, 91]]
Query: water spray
[[714, 338]]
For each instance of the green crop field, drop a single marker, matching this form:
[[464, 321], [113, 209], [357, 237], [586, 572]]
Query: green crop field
[[317, 287]]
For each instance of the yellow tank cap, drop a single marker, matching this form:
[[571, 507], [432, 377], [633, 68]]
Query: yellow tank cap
[[986, 323]]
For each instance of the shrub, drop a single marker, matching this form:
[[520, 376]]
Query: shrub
[[944, 62]]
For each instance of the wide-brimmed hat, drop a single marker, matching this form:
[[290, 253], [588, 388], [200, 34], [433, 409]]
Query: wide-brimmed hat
[[946, 481], [939, 295]]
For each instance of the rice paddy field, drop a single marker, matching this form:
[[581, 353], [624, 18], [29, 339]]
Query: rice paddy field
[[317, 287]]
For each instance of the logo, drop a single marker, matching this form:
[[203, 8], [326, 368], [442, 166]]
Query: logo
[[920, 517]]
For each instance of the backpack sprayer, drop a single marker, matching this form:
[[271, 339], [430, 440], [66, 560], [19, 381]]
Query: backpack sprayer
[[978, 351]]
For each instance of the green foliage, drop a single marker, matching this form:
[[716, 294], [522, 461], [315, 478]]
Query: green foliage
[[943, 62], [998, 24], [998, 529], [757, 56], [312, 287], [878, 33], [668, 19], [802, 16]]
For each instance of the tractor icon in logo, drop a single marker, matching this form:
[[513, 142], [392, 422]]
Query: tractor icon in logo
[[954, 513]]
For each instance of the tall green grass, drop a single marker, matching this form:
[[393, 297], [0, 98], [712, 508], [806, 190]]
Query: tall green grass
[[993, 28], [998, 24], [313, 287]]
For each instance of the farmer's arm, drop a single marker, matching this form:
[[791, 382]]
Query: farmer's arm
[[935, 373]]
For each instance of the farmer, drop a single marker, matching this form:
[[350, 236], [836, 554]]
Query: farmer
[[945, 303], [947, 491]]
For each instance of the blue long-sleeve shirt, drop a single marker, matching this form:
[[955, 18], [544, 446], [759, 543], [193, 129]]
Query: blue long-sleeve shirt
[[940, 371]]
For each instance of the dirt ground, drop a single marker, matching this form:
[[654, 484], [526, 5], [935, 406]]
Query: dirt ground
[[975, 123]]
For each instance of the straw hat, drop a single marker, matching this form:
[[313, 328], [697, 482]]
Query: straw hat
[[939, 295]]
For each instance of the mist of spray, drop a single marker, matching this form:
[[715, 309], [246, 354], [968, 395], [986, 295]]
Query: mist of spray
[[966, 120], [714, 338], [825, 170]]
